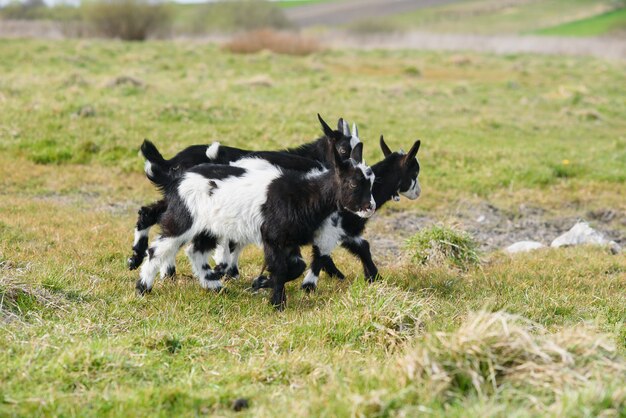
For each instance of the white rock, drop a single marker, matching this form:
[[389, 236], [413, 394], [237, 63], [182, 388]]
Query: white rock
[[615, 248], [580, 234], [523, 246]]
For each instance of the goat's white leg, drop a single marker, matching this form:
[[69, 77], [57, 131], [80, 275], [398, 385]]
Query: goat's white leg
[[161, 251], [168, 268], [198, 260], [233, 265], [325, 241], [198, 253], [221, 255]]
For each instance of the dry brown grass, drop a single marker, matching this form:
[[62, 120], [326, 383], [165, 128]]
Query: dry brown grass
[[266, 39], [495, 350]]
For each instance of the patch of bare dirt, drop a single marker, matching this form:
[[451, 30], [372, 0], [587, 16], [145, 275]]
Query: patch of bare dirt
[[492, 227], [611, 47]]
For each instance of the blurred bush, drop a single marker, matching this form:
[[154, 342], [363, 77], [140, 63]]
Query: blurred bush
[[27, 10], [130, 20], [289, 43]]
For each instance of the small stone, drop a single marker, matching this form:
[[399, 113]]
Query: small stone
[[261, 80], [125, 80], [615, 248], [523, 247], [85, 112], [240, 404], [580, 234]]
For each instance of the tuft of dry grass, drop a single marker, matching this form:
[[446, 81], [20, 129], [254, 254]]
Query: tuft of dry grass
[[18, 299], [288, 43], [442, 245], [490, 351]]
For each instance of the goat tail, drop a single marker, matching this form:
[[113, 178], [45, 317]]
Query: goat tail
[[157, 168]]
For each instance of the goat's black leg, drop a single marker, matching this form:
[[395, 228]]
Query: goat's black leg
[[295, 267], [361, 248], [276, 260], [295, 264], [148, 216], [330, 268]]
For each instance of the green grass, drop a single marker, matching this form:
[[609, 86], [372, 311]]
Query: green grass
[[494, 16], [537, 131], [606, 23]]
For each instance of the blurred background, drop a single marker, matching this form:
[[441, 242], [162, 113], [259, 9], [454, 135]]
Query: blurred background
[[594, 27]]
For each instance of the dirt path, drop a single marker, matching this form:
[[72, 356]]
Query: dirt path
[[339, 13], [613, 48]]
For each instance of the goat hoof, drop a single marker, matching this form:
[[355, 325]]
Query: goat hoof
[[170, 273], [233, 272], [214, 275], [261, 282], [214, 285], [141, 289], [309, 287], [133, 263], [338, 275], [371, 278], [279, 302]]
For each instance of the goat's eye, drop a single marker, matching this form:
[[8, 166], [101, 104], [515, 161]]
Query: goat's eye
[[353, 185], [343, 151]]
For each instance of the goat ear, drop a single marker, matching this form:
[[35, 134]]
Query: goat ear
[[345, 128], [413, 151], [357, 153], [327, 131], [333, 155], [384, 147], [341, 126]]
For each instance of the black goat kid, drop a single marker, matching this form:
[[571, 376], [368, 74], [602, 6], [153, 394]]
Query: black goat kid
[[253, 201], [396, 174], [303, 158]]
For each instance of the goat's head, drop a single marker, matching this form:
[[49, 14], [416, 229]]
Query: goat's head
[[404, 168], [353, 181], [344, 140]]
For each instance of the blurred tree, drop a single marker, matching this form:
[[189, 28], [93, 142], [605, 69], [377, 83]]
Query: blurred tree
[[26, 10], [130, 20]]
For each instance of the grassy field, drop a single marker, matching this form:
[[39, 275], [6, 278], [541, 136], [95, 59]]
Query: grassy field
[[495, 16], [536, 334], [604, 24]]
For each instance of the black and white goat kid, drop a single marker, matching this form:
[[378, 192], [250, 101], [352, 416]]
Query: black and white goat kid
[[253, 201], [302, 158], [396, 174]]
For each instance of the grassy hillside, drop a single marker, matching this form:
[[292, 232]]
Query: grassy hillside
[[512, 135], [495, 16], [612, 22]]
